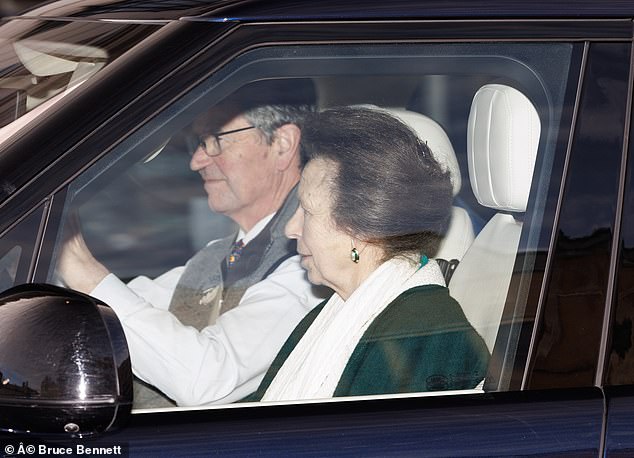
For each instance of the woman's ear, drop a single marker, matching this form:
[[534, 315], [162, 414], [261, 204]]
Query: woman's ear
[[369, 251], [286, 146]]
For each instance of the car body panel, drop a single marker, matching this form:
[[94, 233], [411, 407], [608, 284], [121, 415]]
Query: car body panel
[[130, 11], [619, 441], [546, 423], [297, 9]]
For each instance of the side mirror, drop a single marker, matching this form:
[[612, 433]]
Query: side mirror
[[64, 363]]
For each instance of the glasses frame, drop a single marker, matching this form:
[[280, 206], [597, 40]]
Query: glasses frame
[[202, 140]]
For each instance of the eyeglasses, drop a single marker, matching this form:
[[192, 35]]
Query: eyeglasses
[[210, 144]]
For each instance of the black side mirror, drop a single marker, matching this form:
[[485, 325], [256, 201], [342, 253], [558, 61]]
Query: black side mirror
[[64, 363]]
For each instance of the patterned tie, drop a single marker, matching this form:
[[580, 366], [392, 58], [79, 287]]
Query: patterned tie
[[234, 255]]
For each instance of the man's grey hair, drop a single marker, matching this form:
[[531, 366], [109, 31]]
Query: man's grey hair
[[268, 118]]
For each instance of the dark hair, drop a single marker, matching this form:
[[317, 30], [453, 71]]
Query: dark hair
[[387, 187]]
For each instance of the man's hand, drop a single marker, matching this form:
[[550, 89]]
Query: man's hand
[[76, 265]]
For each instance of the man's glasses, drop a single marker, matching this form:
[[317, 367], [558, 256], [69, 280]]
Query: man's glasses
[[210, 144]]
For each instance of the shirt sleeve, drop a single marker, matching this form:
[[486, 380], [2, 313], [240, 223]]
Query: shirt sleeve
[[223, 362], [158, 291]]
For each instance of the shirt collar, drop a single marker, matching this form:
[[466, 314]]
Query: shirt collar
[[255, 230]]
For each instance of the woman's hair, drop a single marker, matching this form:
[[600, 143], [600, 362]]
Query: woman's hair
[[387, 187]]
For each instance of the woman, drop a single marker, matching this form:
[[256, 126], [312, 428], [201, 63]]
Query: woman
[[373, 207]]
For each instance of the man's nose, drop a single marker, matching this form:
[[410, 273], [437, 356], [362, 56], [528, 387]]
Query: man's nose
[[199, 159]]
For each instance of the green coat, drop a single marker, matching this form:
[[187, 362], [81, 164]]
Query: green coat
[[422, 341]]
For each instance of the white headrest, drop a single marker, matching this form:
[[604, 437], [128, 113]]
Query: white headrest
[[502, 141], [431, 132]]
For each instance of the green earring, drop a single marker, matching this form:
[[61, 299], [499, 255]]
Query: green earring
[[354, 255], [423, 260]]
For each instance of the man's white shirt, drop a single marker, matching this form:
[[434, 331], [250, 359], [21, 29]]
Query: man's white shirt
[[224, 362]]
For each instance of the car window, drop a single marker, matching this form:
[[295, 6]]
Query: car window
[[619, 369], [578, 294], [40, 60], [16, 251], [144, 212], [9, 267]]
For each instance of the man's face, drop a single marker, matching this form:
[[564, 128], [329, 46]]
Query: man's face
[[240, 178]]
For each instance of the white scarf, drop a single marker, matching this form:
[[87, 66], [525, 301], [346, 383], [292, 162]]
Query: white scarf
[[314, 367]]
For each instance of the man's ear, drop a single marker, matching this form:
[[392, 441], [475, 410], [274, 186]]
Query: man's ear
[[286, 145]]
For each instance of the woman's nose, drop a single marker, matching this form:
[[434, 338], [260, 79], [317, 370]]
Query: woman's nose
[[293, 229]]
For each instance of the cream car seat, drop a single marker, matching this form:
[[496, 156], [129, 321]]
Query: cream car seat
[[460, 234], [502, 140]]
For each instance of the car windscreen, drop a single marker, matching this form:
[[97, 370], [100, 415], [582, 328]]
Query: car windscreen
[[42, 60]]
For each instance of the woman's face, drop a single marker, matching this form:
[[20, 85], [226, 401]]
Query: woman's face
[[324, 250]]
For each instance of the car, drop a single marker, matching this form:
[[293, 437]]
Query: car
[[527, 105]]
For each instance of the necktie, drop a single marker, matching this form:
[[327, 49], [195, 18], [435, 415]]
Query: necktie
[[234, 255]]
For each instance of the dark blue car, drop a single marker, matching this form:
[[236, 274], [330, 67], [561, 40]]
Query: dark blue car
[[527, 104]]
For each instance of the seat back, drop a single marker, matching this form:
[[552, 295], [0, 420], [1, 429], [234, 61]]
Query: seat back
[[460, 234], [502, 141]]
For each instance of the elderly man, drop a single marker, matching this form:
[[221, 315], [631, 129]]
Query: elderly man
[[206, 332]]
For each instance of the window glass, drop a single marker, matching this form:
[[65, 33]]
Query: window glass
[[166, 218], [568, 342], [16, 250], [40, 60], [620, 369], [163, 210], [9, 267]]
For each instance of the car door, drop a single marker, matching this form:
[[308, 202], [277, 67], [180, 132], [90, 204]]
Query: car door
[[541, 394], [617, 374]]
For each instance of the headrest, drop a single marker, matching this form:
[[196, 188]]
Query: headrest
[[431, 132], [502, 140]]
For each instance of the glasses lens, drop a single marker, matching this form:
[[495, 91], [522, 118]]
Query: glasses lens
[[209, 145]]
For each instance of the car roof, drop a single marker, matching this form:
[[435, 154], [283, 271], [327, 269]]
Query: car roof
[[125, 10], [229, 10]]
